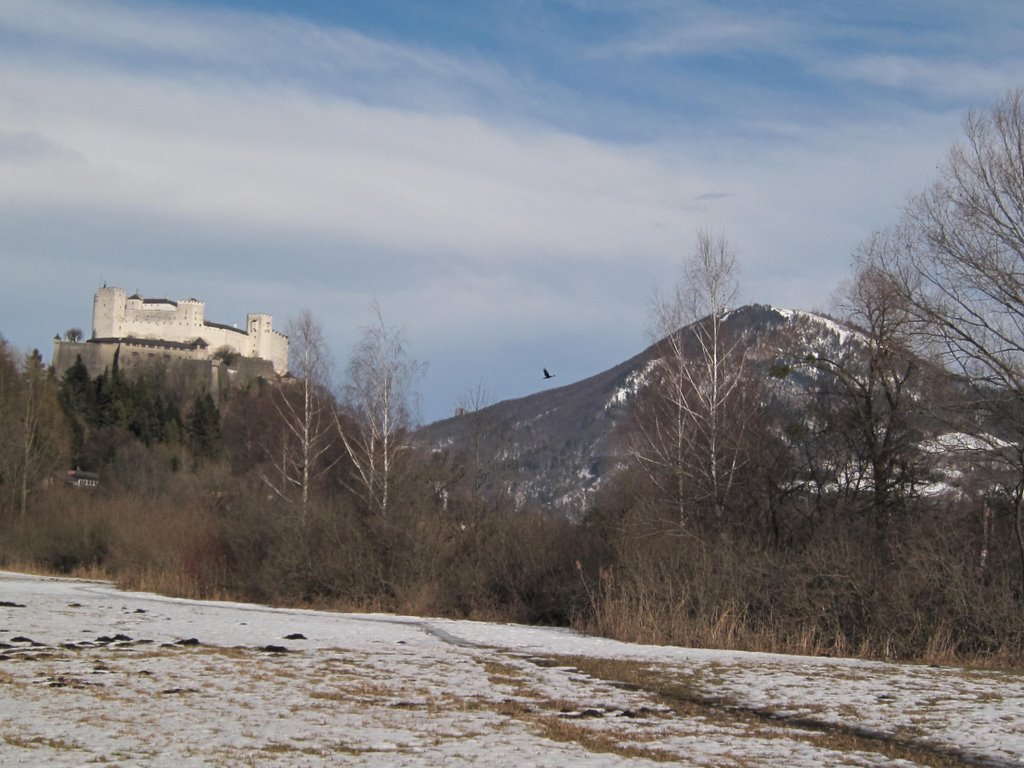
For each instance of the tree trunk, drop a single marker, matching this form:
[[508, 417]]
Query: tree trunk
[[1018, 525]]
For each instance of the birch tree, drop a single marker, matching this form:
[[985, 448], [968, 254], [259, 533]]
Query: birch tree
[[304, 449], [688, 437], [379, 404]]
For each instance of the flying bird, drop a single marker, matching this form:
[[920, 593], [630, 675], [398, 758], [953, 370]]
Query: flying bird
[[548, 375]]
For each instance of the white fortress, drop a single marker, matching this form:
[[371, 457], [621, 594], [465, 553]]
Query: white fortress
[[145, 330], [115, 315]]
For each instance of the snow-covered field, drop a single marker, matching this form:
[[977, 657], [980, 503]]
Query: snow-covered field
[[91, 675]]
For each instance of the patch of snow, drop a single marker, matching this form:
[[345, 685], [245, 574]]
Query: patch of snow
[[842, 332], [636, 381], [90, 674], [961, 442]]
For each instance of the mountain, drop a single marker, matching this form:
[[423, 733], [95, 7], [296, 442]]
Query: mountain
[[555, 447]]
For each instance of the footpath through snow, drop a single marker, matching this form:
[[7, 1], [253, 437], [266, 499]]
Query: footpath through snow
[[89, 674]]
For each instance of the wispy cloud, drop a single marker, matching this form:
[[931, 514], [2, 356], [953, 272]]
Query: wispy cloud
[[694, 31], [933, 77], [248, 48], [275, 157], [30, 148], [276, 163], [933, 50]]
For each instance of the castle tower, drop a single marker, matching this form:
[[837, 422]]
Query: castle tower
[[193, 314], [258, 327], [108, 308]]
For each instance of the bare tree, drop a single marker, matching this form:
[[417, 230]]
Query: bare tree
[[959, 266], [40, 433], [73, 334], [379, 406], [872, 391], [10, 397], [477, 464], [687, 439], [306, 413]]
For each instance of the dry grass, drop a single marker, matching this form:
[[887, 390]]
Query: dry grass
[[173, 583], [689, 695], [358, 690], [287, 748], [37, 742], [509, 677], [602, 741], [89, 573]]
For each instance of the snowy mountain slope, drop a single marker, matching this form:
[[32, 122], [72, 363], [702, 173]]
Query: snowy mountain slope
[[555, 447]]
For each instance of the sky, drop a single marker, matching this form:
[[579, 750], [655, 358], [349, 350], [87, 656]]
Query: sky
[[510, 181]]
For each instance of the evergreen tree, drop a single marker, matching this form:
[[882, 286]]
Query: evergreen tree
[[78, 400], [204, 428]]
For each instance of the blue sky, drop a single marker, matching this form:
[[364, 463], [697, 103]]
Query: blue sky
[[509, 180]]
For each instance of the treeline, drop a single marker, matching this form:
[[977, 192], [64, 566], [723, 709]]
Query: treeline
[[286, 493], [789, 493]]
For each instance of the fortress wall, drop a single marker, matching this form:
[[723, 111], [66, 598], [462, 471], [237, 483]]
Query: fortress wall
[[278, 355], [188, 371], [163, 320], [247, 369], [235, 340], [96, 357], [134, 355], [99, 356]]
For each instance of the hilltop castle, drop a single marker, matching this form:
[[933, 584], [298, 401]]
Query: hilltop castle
[[142, 332]]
